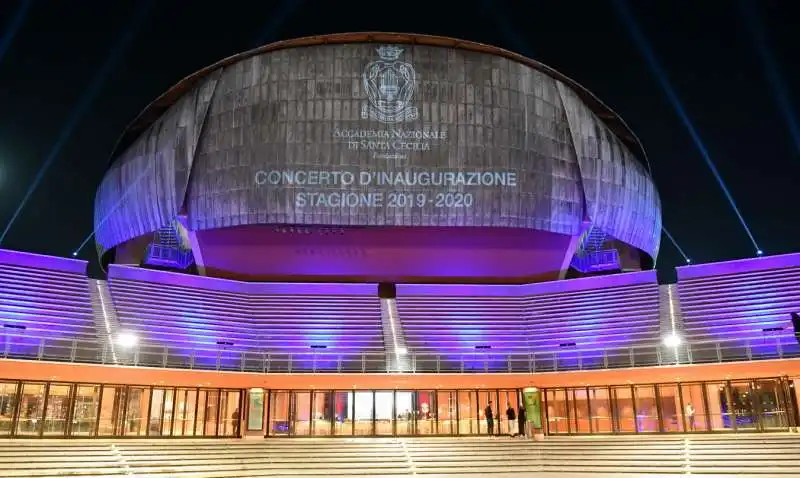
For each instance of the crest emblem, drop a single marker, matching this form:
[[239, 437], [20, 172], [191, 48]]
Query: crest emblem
[[390, 85]]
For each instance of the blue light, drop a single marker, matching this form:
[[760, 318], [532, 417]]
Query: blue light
[[75, 254], [675, 243], [506, 28], [276, 21], [778, 85], [13, 27], [759, 252], [115, 55], [641, 42], [129, 188]]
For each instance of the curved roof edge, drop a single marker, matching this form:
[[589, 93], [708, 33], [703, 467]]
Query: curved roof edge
[[154, 110]]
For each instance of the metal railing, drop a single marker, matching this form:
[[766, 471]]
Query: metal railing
[[158, 254], [228, 359], [596, 261]]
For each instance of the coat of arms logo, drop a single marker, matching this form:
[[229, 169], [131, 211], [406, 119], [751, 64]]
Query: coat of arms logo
[[390, 86]]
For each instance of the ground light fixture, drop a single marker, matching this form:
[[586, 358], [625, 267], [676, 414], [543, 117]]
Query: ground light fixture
[[672, 340], [127, 340]]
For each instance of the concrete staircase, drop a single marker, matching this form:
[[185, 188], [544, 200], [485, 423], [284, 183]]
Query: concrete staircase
[[706, 455]]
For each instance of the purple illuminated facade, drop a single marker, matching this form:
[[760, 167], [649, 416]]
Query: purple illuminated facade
[[563, 317], [213, 316], [208, 173], [43, 296], [747, 301]]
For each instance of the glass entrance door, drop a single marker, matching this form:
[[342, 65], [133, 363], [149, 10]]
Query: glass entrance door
[[600, 410], [447, 413], [183, 421], [487, 399], [406, 412], [579, 410], [58, 401], [384, 412], [8, 404], [773, 405], [364, 408], [279, 423], [31, 409], [300, 414], [507, 399], [323, 414], [85, 409], [425, 413], [467, 413], [557, 418], [743, 406], [343, 401]]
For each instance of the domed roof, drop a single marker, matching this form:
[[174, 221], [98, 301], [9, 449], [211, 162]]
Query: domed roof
[[154, 110]]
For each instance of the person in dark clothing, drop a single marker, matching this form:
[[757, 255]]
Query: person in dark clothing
[[235, 421], [512, 416], [521, 419], [487, 412]]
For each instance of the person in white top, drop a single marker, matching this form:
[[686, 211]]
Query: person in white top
[[690, 415]]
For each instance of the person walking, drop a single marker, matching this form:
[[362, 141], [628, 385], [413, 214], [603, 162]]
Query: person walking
[[487, 412], [521, 419], [690, 415], [512, 417]]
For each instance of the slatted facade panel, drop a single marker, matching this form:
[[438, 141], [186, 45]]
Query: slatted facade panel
[[213, 317], [145, 187], [185, 317], [459, 324], [45, 303], [621, 199], [752, 305], [602, 318], [286, 110], [339, 323], [226, 144]]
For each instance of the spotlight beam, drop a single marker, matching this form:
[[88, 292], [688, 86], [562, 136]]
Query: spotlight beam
[[276, 20], [116, 54], [675, 243], [646, 50], [284, 11], [509, 33], [779, 90], [116, 206], [13, 27]]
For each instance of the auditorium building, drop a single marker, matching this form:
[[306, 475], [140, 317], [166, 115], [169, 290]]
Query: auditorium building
[[500, 250]]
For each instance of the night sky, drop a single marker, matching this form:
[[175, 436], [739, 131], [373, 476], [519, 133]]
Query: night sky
[[706, 50]]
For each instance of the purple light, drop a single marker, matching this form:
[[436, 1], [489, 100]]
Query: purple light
[[746, 301]]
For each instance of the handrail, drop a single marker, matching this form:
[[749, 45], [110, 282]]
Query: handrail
[[18, 346]]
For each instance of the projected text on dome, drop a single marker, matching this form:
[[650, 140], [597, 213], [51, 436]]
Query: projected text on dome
[[375, 134], [385, 135], [382, 193]]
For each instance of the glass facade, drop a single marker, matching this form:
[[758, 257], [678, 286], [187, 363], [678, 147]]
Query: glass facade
[[54, 409], [57, 409], [728, 406], [389, 412]]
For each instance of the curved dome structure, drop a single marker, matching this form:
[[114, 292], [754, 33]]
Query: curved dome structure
[[378, 156]]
